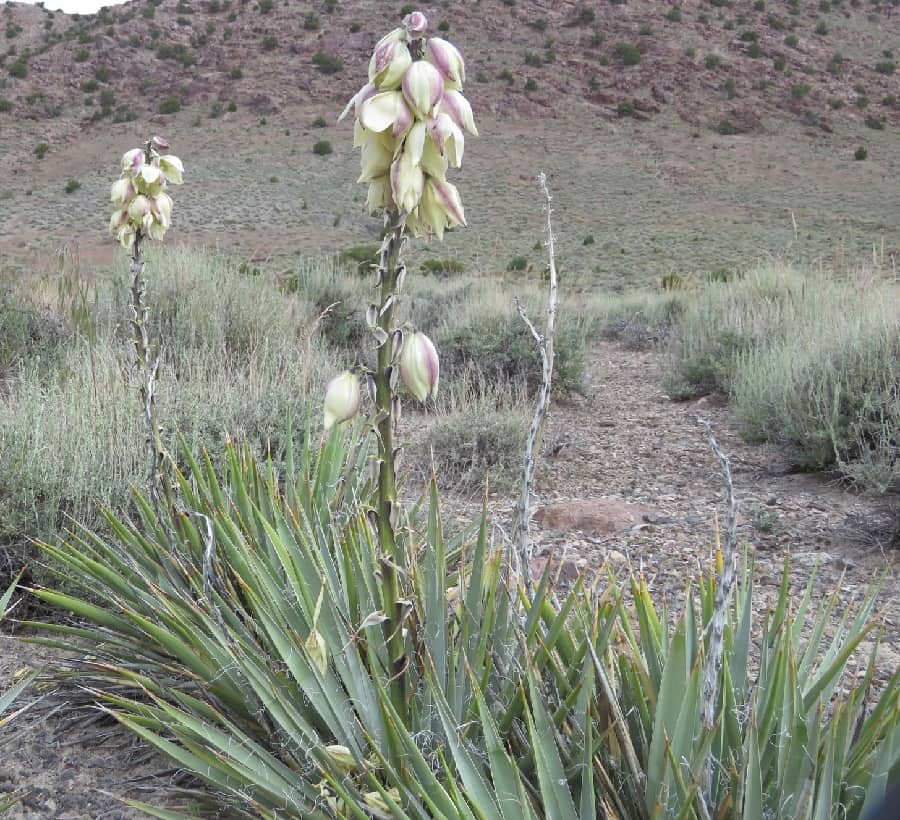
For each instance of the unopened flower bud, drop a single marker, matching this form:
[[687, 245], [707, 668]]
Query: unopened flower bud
[[419, 366], [160, 143], [139, 206], [423, 87], [341, 399], [445, 57], [415, 23]]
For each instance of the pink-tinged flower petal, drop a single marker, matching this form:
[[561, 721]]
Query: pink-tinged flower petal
[[403, 122], [448, 137], [423, 87], [341, 399], [388, 63], [416, 24], [446, 58], [381, 111], [117, 220], [457, 107], [159, 143], [139, 206], [448, 197], [133, 160], [358, 99], [161, 206], [420, 366]]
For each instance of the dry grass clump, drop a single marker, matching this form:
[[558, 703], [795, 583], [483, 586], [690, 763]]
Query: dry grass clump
[[810, 360]]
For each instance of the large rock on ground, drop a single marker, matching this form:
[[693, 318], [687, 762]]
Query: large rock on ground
[[597, 516]]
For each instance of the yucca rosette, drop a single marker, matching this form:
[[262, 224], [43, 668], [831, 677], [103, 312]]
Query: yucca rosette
[[410, 122], [142, 206]]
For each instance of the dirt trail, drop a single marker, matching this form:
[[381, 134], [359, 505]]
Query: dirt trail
[[626, 441]]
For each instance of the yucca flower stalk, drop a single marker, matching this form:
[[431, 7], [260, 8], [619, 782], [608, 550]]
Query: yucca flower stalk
[[143, 210], [409, 121]]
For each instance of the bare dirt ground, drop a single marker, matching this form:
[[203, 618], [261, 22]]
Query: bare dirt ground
[[624, 441]]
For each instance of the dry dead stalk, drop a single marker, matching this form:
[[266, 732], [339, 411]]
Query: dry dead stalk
[[521, 531]]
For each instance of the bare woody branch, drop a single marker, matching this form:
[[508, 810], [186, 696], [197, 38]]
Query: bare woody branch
[[521, 531]]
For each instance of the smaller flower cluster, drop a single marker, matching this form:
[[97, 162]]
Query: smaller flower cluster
[[142, 206], [419, 369], [410, 118]]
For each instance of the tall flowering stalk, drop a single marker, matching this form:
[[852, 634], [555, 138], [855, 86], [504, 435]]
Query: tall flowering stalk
[[410, 119], [143, 210]]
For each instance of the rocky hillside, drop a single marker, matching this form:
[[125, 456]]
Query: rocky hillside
[[722, 65]]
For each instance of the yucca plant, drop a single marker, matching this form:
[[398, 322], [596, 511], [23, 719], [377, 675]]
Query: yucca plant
[[255, 655], [787, 741], [8, 698]]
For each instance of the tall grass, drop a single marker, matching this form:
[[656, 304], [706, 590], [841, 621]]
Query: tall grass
[[238, 358]]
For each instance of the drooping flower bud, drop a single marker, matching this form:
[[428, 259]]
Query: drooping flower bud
[[423, 88], [388, 63], [445, 57], [133, 160], [419, 366], [460, 111], [171, 168], [416, 24], [407, 182], [341, 399]]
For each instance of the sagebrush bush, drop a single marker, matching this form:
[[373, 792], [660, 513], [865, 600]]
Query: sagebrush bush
[[810, 361]]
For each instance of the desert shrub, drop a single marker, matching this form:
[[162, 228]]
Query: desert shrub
[[886, 67], [443, 267], [861, 153], [517, 263], [821, 28], [319, 122], [269, 42], [502, 349], [41, 149], [170, 105], [791, 41], [809, 361], [673, 15], [82, 55], [236, 73], [327, 63], [625, 108], [712, 61], [311, 22], [727, 128], [322, 148], [5, 105], [628, 53], [875, 123], [531, 84], [71, 186], [799, 91], [362, 258], [18, 69]]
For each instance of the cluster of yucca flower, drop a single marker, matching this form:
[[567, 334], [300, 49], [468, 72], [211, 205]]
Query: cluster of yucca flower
[[142, 206], [410, 118]]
